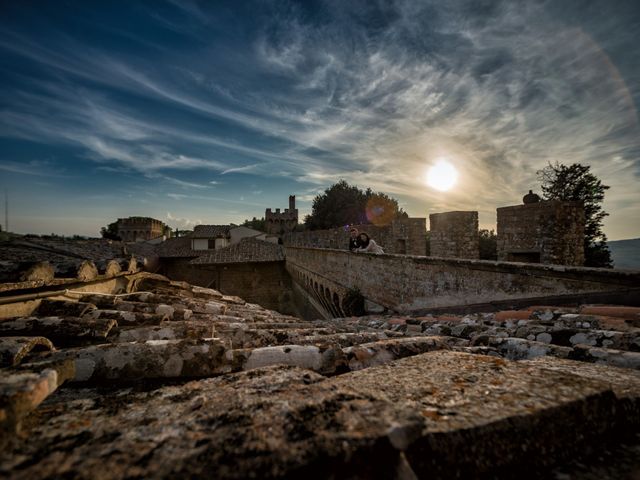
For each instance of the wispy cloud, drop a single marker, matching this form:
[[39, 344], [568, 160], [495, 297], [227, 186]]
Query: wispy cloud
[[34, 168], [373, 96], [245, 168], [177, 196]]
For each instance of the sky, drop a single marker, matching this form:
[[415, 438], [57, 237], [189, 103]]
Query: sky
[[210, 112]]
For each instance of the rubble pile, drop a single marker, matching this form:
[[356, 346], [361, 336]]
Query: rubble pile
[[167, 379]]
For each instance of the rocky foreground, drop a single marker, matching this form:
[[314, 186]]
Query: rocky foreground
[[172, 380]]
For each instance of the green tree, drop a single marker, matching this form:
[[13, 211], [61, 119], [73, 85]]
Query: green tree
[[110, 231], [256, 224], [575, 183], [343, 204], [488, 245]]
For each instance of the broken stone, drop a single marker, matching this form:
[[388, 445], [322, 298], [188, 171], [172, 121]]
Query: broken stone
[[322, 359], [14, 349], [576, 320], [132, 265], [113, 269], [87, 271], [381, 352], [146, 360], [520, 348], [605, 356], [21, 393]]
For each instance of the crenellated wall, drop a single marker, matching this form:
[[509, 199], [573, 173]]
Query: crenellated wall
[[454, 234], [402, 236], [410, 283]]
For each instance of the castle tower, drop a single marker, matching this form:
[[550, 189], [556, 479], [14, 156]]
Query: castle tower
[[279, 223], [549, 231]]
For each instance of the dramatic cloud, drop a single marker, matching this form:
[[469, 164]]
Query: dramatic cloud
[[297, 95]]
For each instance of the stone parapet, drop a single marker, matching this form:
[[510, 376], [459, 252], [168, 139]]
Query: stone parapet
[[454, 234], [410, 283], [403, 236]]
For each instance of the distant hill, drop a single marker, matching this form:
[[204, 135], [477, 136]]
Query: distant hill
[[625, 253]]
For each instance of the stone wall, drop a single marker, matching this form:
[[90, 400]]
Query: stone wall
[[454, 234], [405, 236], [550, 232], [406, 283], [135, 229], [278, 223], [266, 283]]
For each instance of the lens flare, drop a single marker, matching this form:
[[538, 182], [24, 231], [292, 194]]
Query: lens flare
[[442, 175]]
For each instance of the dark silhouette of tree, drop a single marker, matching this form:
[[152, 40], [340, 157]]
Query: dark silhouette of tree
[[110, 232], [256, 224], [575, 183], [342, 204], [488, 245]]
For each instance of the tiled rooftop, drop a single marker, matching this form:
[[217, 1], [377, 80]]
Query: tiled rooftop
[[177, 247], [247, 250], [173, 380], [211, 231]]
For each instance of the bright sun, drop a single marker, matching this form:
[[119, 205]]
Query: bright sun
[[442, 175]]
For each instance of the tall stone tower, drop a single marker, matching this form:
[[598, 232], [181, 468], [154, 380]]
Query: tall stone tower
[[279, 223], [538, 231]]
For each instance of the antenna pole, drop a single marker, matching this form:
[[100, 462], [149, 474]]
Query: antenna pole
[[6, 209]]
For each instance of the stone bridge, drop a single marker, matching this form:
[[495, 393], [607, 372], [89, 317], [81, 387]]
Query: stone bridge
[[404, 283]]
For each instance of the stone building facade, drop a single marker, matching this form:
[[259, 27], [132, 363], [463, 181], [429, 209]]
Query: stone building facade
[[139, 229], [454, 235], [407, 236], [279, 223], [549, 232]]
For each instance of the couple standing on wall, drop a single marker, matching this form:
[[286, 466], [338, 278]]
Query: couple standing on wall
[[360, 242]]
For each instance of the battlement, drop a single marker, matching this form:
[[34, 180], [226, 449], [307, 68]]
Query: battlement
[[279, 223]]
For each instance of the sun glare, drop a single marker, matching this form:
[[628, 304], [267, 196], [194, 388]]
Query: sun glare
[[442, 175]]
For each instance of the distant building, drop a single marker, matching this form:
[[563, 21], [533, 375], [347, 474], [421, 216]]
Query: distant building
[[215, 237], [236, 260], [280, 223], [140, 229]]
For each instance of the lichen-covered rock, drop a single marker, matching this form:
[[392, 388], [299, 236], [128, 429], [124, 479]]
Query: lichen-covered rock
[[14, 349], [127, 318], [381, 352], [437, 415], [148, 360], [21, 393]]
